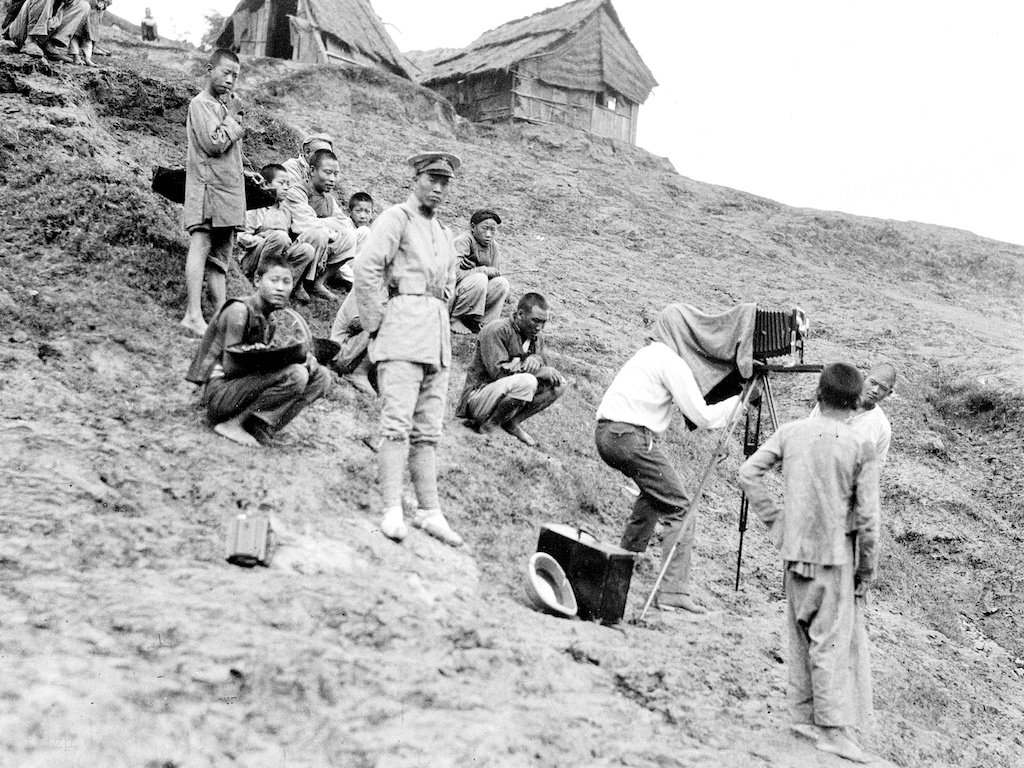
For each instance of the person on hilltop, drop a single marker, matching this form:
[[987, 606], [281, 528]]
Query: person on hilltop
[[251, 407], [827, 533], [267, 232], [298, 167], [480, 289], [404, 278], [317, 218], [634, 412], [148, 27], [214, 184], [48, 24], [509, 379]]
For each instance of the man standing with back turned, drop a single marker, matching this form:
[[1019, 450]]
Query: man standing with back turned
[[404, 278]]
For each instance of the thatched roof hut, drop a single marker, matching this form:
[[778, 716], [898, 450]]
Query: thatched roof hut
[[315, 31], [573, 65]]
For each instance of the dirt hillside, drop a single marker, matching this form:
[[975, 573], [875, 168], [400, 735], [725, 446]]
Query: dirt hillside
[[126, 640]]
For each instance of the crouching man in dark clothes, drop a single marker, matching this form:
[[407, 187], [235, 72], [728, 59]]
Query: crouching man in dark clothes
[[250, 408], [509, 380]]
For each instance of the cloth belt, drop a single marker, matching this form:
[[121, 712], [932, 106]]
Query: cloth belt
[[414, 285]]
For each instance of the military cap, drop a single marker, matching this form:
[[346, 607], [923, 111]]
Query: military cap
[[439, 163]]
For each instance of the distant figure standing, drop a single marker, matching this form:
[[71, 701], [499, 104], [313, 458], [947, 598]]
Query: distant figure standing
[[148, 25], [214, 185], [49, 24], [827, 534], [404, 277]]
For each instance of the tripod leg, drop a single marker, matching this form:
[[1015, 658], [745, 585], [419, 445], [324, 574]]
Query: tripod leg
[[726, 434], [772, 415], [744, 509]]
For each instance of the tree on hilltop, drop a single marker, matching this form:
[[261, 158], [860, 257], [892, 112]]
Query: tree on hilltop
[[214, 24]]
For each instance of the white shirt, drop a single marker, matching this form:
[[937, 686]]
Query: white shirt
[[649, 383], [871, 425]]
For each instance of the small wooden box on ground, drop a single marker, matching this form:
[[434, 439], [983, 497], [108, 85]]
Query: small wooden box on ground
[[249, 541], [598, 573]]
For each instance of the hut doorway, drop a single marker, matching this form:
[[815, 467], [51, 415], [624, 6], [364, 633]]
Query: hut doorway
[[279, 35]]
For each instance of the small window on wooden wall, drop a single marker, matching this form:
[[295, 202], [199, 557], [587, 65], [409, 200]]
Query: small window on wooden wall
[[607, 100]]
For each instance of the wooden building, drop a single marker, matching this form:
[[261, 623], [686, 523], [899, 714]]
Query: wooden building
[[314, 31], [573, 65]]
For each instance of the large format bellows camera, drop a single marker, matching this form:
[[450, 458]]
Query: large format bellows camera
[[780, 332]]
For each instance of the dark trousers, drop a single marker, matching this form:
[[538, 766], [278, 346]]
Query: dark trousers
[[274, 398], [632, 450]]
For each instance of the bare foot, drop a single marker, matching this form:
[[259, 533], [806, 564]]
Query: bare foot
[[461, 329], [300, 295], [198, 327], [319, 291], [232, 429], [519, 433]]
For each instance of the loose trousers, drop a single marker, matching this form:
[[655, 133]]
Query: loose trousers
[[820, 616], [481, 297], [275, 398], [633, 451]]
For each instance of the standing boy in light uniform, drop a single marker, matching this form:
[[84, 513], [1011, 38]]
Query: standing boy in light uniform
[[404, 277], [830, 513]]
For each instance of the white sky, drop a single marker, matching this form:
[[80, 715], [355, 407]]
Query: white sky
[[904, 110]]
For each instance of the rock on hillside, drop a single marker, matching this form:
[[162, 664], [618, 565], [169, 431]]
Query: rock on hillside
[[128, 641]]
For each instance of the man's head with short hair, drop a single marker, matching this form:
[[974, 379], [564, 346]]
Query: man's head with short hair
[[274, 280], [276, 177], [878, 385], [531, 315], [222, 54], [360, 209], [531, 300], [270, 261], [839, 386], [222, 72], [324, 170]]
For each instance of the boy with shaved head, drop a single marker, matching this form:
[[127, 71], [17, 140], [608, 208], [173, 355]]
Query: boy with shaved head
[[827, 534]]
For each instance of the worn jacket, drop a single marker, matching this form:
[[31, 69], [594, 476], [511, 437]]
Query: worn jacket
[[473, 257], [404, 277], [499, 343], [214, 182], [830, 475]]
